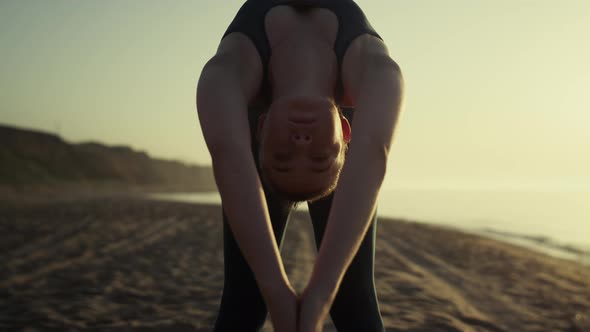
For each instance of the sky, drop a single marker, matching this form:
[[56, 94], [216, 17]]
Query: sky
[[496, 91]]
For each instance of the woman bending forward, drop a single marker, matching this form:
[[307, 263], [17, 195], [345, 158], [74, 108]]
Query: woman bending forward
[[275, 105]]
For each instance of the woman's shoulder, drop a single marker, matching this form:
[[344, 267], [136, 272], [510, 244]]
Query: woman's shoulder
[[364, 51]]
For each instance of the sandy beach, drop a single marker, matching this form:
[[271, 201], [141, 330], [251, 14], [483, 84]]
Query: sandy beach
[[132, 264]]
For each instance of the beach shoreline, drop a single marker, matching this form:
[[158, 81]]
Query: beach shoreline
[[547, 244]]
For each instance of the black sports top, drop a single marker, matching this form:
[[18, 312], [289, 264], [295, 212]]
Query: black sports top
[[351, 24]]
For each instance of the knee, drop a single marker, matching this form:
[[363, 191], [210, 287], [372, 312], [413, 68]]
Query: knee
[[356, 308], [238, 313], [242, 307]]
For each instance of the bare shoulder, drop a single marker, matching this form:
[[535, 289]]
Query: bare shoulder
[[365, 53], [238, 47], [237, 56], [227, 84]]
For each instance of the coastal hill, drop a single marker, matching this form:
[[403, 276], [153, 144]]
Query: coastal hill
[[33, 158]]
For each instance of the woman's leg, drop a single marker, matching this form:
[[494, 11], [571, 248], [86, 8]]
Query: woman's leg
[[242, 307], [355, 307]]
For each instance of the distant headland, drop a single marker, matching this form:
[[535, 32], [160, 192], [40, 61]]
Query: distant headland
[[33, 159]]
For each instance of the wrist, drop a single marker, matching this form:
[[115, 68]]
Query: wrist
[[275, 287], [322, 288]]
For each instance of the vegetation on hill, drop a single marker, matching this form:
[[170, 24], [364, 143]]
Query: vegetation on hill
[[30, 157]]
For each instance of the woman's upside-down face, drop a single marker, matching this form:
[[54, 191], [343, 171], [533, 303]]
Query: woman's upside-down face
[[302, 146]]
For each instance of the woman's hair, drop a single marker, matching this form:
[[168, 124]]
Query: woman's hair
[[298, 197]]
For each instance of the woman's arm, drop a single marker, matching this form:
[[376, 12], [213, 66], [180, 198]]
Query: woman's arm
[[227, 84], [377, 89]]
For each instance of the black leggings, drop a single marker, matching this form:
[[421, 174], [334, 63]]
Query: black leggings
[[355, 307]]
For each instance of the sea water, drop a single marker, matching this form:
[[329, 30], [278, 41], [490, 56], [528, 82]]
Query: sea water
[[556, 222]]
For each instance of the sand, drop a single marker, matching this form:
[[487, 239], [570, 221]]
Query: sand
[[131, 264]]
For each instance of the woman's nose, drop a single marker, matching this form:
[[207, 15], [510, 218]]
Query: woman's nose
[[298, 138]]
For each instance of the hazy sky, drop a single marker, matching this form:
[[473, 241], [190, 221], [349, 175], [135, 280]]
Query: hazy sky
[[497, 91]]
